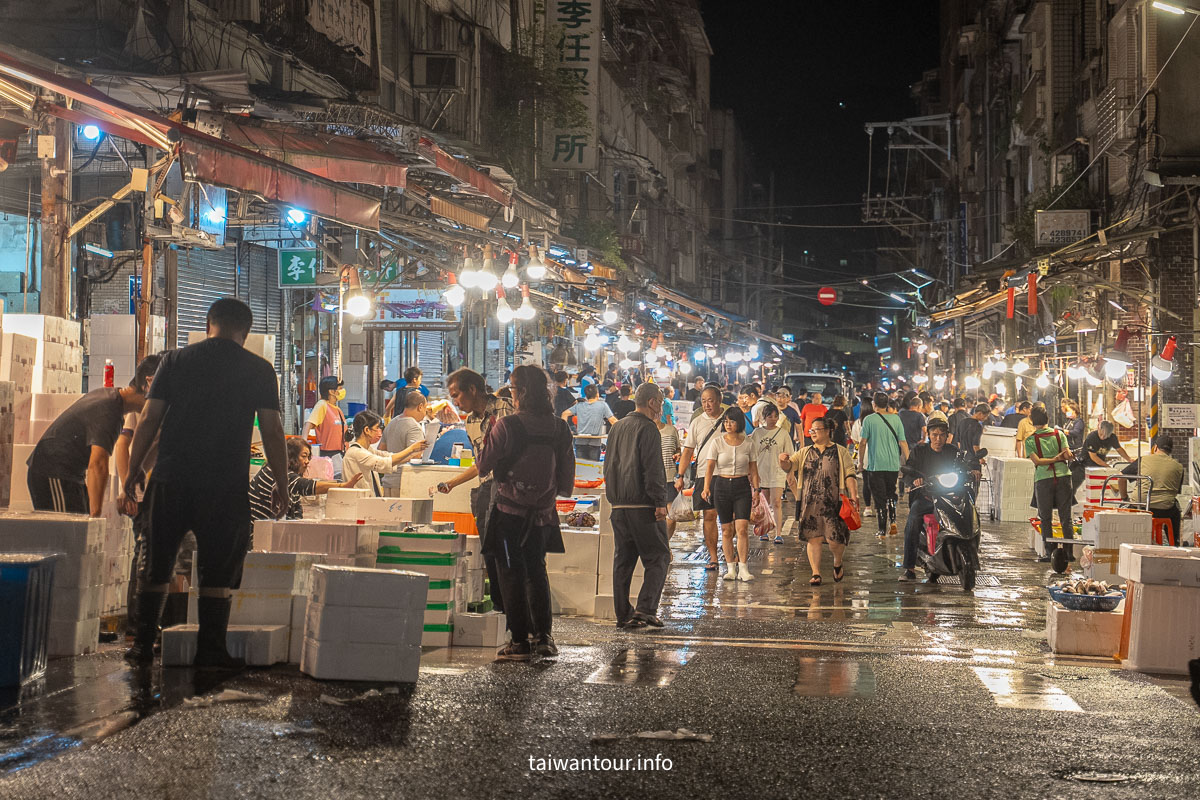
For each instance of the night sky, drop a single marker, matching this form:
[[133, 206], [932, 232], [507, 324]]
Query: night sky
[[802, 77]]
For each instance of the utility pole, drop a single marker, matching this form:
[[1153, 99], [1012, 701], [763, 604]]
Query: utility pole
[[767, 270], [54, 152]]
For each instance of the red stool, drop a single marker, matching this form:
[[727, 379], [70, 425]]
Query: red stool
[[1159, 526]]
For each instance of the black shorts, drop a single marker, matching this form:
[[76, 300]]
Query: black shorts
[[220, 519], [55, 494], [732, 498], [698, 501]]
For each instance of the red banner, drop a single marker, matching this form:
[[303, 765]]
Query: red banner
[[1012, 302]]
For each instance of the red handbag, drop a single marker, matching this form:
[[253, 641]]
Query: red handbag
[[848, 512]]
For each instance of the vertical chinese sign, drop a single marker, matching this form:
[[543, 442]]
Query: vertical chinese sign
[[573, 37]]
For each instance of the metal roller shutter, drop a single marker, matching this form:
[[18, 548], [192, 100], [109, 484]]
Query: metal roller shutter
[[203, 276], [259, 288], [431, 358]]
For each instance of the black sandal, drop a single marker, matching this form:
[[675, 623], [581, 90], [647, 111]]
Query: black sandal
[[710, 566], [839, 572], [816, 581]]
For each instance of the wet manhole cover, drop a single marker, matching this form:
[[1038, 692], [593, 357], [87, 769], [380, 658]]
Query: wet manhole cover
[[641, 668], [826, 677]]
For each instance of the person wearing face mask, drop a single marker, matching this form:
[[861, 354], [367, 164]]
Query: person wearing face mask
[[326, 427], [362, 457]]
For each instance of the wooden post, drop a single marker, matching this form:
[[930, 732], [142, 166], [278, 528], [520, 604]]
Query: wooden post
[[56, 195]]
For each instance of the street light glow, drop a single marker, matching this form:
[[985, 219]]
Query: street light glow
[[1170, 8]]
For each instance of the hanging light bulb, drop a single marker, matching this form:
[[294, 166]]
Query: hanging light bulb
[[1162, 365], [1076, 371], [661, 351], [934, 355], [511, 279], [1000, 365], [526, 311], [610, 315], [1095, 375], [625, 344], [733, 356], [1000, 388], [1043, 380], [454, 294], [469, 276], [972, 382], [685, 367], [743, 369], [1115, 370], [486, 277], [536, 268], [504, 311], [592, 339], [939, 382], [988, 369], [1021, 366]]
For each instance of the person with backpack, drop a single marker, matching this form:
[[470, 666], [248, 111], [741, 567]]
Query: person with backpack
[[531, 456], [1050, 452]]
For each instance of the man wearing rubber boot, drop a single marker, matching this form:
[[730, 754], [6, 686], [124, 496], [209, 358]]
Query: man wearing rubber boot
[[927, 461], [204, 399]]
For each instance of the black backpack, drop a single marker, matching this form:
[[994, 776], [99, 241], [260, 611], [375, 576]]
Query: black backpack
[[504, 467]]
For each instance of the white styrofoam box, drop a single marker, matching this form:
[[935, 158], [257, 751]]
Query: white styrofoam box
[[604, 517], [417, 480], [1106, 531], [278, 572], [473, 585], [1153, 564], [342, 504], [32, 432], [398, 509], [604, 563], [1083, 633], [116, 325], [327, 624], [422, 541], [259, 645], [18, 498], [438, 615], [1164, 630], [572, 593], [998, 441], [582, 552], [73, 637], [437, 638], [262, 535], [260, 344], [296, 630], [604, 585], [45, 531], [369, 588], [473, 553], [252, 608], [73, 603], [480, 630], [359, 661], [50, 406], [605, 609], [320, 536], [78, 570]]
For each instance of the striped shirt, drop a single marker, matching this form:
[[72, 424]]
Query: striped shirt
[[262, 488], [670, 449]]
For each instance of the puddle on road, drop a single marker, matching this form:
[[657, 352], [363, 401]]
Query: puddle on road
[[1015, 689], [823, 677], [641, 668]]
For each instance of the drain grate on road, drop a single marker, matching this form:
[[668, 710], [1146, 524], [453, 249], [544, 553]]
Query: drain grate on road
[[980, 580]]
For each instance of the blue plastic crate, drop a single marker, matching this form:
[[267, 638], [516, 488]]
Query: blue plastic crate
[[25, 583]]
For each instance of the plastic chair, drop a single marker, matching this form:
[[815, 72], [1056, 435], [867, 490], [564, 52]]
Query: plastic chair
[[1159, 526]]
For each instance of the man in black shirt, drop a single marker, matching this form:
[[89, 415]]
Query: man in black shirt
[[564, 398], [913, 421], [1013, 420], [693, 394], [928, 460], [1099, 443], [622, 407], [956, 418], [68, 469], [970, 430], [204, 398]]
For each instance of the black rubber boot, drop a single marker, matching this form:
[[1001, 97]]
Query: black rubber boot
[[213, 615], [149, 612]]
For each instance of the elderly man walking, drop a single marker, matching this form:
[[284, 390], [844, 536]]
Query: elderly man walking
[[636, 487]]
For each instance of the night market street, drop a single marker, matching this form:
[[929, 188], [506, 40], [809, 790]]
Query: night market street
[[867, 688]]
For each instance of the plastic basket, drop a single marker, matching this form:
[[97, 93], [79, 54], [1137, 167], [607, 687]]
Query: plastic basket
[[1086, 602]]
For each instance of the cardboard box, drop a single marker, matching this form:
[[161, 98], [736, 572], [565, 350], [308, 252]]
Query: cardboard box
[[1083, 633], [480, 630], [1164, 629], [259, 645], [359, 661], [582, 552], [415, 510], [369, 588], [327, 624], [1162, 566]]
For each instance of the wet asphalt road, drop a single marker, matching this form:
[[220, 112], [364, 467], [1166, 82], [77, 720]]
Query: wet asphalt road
[[867, 688]]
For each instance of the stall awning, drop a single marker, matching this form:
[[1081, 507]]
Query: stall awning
[[338, 158], [464, 172], [687, 302], [983, 304], [205, 158]]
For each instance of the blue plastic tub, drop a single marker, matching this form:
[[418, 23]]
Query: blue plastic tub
[[25, 583]]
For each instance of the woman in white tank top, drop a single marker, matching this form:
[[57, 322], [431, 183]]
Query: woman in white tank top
[[730, 483]]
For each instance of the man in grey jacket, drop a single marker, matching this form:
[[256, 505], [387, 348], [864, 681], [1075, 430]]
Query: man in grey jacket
[[636, 488]]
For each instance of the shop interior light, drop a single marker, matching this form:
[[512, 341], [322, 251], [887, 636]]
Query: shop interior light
[[685, 368], [733, 356], [1000, 365], [885, 320], [295, 216], [592, 339], [921, 379], [1020, 366], [1095, 375], [1116, 360], [357, 304], [625, 344], [510, 279], [1076, 371], [896, 367], [1115, 370], [883, 330], [699, 356], [97, 250], [1043, 380], [922, 348], [91, 132], [743, 369], [454, 294], [1086, 324], [756, 365], [504, 312], [939, 382], [971, 382], [486, 278], [1162, 365], [610, 315], [469, 276], [716, 362], [988, 369], [1000, 388], [662, 373], [536, 268], [895, 296], [215, 216], [1171, 8], [526, 311], [934, 355], [661, 351]]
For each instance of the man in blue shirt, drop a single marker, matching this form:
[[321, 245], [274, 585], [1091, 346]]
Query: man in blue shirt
[[590, 416], [887, 449]]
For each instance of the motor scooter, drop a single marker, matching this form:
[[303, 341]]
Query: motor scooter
[[950, 544]]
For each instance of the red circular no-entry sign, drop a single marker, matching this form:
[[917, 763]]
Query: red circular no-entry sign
[[827, 296]]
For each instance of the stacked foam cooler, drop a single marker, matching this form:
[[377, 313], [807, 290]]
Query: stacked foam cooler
[[113, 337], [573, 574], [79, 573], [18, 354], [1012, 487], [266, 619], [7, 429], [44, 409], [257, 343], [344, 543], [58, 361], [439, 553], [1163, 605], [1106, 531], [364, 624]]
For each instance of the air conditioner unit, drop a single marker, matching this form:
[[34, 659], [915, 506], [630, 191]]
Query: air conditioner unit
[[439, 71]]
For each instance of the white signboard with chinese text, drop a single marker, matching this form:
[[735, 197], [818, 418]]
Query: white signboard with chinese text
[[1181, 415], [1058, 228], [573, 36]]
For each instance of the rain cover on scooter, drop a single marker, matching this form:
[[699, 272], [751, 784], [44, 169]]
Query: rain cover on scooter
[[957, 523]]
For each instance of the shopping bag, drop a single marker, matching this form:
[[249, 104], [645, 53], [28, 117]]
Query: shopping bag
[[850, 515], [762, 516], [680, 509]]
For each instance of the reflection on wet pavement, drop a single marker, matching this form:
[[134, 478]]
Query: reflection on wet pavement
[[822, 677], [642, 667], [1016, 689]]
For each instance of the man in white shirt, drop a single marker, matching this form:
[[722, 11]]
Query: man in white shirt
[[701, 432], [404, 431]]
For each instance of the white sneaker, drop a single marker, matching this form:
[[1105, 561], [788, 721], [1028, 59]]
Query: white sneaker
[[732, 574], [868, 512], [744, 573]]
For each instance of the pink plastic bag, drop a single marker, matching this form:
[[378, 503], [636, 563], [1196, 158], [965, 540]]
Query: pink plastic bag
[[320, 469], [762, 516]]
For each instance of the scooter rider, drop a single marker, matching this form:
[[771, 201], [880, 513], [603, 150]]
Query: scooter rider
[[926, 461]]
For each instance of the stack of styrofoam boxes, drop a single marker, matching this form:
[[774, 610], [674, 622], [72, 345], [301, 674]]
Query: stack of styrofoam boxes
[[18, 357], [414, 510], [75, 597], [1096, 488], [7, 394], [118, 560], [257, 343], [342, 543], [1084, 633], [266, 620], [1163, 605], [439, 554], [1106, 531], [1012, 482], [573, 574], [59, 360], [364, 625], [342, 504], [43, 411], [112, 337]]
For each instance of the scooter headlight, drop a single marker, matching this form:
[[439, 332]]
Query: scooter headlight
[[949, 480]]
